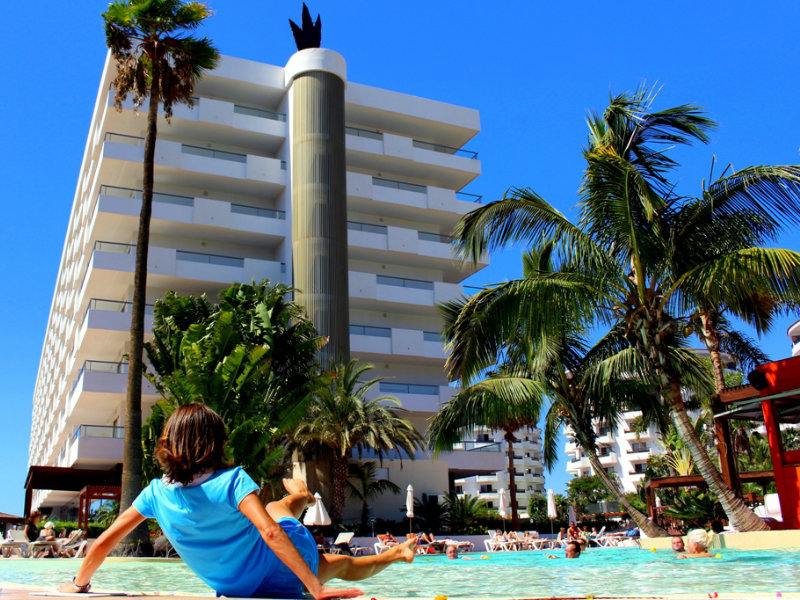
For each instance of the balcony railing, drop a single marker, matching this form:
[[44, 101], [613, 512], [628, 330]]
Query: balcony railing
[[211, 259], [121, 192], [112, 306], [115, 247], [473, 446], [389, 387], [259, 112], [469, 197], [400, 185], [383, 332], [431, 336], [99, 431], [434, 237], [417, 284], [367, 227], [211, 153], [121, 138], [372, 134], [270, 213], [445, 149]]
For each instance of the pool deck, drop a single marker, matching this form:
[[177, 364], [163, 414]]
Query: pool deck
[[34, 593]]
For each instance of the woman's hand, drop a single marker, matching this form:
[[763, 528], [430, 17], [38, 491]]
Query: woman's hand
[[325, 593]]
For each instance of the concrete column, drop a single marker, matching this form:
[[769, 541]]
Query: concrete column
[[316, 80]]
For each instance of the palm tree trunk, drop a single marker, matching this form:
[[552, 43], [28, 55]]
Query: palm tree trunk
[[339, 475], [643, 522], [712, 341], [512, 480], [132, 450], [740, 517]]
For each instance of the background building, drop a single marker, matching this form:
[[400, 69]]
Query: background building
[[528, 466], [222, 213]]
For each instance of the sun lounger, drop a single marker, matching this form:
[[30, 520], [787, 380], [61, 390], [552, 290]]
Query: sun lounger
[[341, 545], [15, 542]]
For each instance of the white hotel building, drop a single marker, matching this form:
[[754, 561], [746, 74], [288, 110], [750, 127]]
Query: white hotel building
[[528, 468], [221, 214]]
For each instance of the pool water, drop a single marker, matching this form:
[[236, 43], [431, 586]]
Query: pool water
[[598, 572]]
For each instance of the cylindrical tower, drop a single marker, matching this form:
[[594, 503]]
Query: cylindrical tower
[[316, 80]]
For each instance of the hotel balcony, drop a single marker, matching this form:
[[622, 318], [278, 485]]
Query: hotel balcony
[[401, 294], [213, 121], [186, 164], [644, 436], [582, 463], [105, 328], [411, 247], [404, 199], [116, 214], [404, 345], [639, 456], [108, 271], [93, 446], [99, 388], [441, 165], [415, 397], [609, 459]]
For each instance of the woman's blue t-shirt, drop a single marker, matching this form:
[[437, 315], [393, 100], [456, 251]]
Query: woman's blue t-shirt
[[204, 524]]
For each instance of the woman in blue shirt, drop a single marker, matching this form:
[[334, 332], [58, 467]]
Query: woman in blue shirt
[[213, 517]]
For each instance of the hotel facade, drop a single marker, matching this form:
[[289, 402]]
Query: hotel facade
[[222, 213]]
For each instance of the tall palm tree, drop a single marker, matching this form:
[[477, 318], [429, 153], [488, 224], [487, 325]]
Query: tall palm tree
[[367, 486], [642, 263], [341, 418], [157, 60]]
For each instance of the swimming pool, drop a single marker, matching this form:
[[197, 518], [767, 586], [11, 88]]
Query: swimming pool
[[598, 572]]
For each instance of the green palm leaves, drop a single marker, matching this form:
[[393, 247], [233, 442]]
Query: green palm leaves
[[342, 418], [639, 259], [148, 40]]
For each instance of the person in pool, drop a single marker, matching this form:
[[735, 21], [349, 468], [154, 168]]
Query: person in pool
[[572, 550], [697, 541], [213, 517], [677, 544]]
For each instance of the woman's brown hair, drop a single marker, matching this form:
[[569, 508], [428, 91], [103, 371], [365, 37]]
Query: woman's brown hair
[[193, 441]]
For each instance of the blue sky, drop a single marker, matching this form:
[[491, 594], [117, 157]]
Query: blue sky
[[533, 69]]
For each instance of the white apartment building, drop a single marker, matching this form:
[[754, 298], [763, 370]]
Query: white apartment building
[[528, 468], [621, 451], [221, 214]]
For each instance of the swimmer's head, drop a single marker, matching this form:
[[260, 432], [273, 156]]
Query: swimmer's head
[[573, 550], [451, 551], [697, 540], [677, 544]]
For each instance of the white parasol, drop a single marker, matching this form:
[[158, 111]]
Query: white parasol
[[316, 514], [572, 518], [502, 507], [409, 505], [552, 512]]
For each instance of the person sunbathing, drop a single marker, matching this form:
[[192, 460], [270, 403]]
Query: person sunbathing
[[697, 541], [213, 517]]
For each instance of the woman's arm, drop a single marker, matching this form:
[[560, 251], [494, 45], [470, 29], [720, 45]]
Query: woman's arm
[[98, 551], [276, 538]]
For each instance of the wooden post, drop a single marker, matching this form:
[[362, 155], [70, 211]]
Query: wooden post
[[727, 458]]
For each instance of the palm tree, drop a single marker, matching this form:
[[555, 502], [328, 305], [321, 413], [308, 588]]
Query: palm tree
[[242, 358], [647, 255], [367, 486], [506, 400], [155, 60], [341, 418]]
